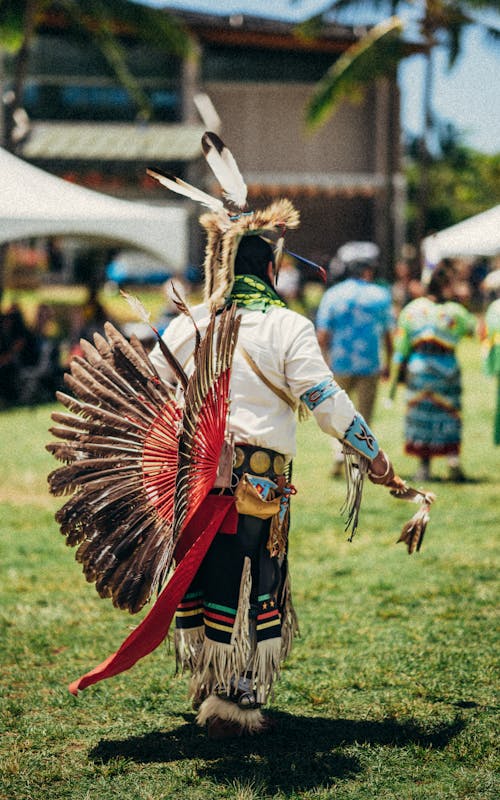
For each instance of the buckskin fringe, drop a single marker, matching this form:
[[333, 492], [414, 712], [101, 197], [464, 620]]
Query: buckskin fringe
[[240, 638], [289, 621], [188, 644], [278, 534], [266, 667], [356, 467], [217, 664]]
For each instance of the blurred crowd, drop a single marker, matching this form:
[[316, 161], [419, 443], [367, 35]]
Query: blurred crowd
[[34, 355], [369, 330], [30, 364]]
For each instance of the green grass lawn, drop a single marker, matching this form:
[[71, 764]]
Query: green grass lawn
[[389, 692]]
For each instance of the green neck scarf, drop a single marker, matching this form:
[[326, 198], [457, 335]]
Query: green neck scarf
[[251, 292]]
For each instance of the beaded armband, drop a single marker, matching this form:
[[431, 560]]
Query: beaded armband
[[360, 438], [314, 396]]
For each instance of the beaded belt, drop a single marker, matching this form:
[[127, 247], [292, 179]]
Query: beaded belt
[[258, 460]]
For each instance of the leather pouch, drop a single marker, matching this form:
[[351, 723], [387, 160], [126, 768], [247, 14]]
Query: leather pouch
[[249, 501]]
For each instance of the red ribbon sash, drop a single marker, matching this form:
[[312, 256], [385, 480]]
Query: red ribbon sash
[[217, 512]]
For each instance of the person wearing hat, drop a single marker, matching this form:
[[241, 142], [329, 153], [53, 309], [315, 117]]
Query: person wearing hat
[[354, 327]]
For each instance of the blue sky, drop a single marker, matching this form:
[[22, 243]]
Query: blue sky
[[293, 10], [468, 96]]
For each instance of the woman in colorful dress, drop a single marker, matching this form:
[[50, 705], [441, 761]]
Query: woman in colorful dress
[[491, 340], [429, 329]]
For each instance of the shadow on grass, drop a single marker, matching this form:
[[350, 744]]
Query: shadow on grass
[[466, 480], [301, 753]]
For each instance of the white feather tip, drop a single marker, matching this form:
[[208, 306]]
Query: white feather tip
[[182, 187], [223, 164], [136, 305]]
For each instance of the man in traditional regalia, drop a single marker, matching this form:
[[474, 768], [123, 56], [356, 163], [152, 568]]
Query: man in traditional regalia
[[181, 462]]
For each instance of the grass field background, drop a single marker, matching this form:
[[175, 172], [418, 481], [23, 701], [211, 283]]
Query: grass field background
[[389, 693]]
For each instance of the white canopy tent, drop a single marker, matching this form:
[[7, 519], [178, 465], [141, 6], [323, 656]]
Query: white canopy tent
[[476, 236], [35, 203]]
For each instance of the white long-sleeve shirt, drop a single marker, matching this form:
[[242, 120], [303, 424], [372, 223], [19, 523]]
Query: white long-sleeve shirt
[[283, 345]]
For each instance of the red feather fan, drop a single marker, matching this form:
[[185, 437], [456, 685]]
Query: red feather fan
[[137, 461]]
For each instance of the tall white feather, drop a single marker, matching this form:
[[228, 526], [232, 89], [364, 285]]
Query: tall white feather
[[182, 187], [223, 164]]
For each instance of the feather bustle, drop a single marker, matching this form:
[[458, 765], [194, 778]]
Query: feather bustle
[[118, 341], [103, 347], [203, 432], [136, 385], [121, 442], [91, 412], [89, 390]]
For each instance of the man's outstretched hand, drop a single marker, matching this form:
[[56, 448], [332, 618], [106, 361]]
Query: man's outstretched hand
[[381, 472]]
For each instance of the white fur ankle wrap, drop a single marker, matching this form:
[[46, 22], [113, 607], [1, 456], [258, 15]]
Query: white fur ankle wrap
[[250, 720]]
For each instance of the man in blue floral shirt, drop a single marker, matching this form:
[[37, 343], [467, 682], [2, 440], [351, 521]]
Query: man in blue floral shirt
[[354, 326]]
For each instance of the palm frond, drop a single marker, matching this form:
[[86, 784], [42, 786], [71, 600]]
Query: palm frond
[[11, 25], [105, 22], [454, 36], [493, 33], [151, 25], [375, 54]]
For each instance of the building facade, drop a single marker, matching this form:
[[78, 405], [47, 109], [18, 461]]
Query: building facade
[[255, 76], [259, 76]]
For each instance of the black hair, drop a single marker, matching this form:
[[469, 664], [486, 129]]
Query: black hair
[[253, 257], [442, 277], [356, 269]]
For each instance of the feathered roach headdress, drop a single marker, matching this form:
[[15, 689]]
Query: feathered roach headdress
[[228, 221]]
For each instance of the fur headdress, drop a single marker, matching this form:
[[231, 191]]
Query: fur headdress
[[227, 221], [222, 243]]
